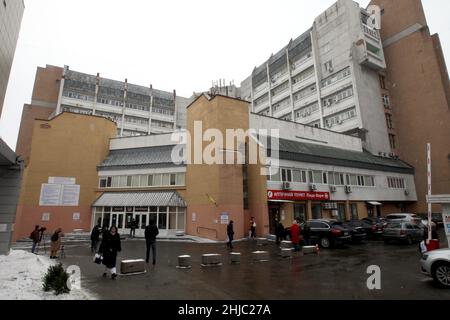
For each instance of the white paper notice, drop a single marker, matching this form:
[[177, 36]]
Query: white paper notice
[[70, 195], [50, 195]]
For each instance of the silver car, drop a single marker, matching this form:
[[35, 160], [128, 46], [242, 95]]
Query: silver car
[[436, 264], [407, 232]]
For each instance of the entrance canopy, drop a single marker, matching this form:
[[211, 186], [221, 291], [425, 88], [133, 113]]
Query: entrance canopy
[[140, 199], [374, 203]]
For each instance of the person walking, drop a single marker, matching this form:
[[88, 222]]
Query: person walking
[[252, 228], [132, 228], [95, 237], [109, 248], [306, 234], [295, 235], [36, 237], [55, 243], [151, 231], [230, 233], [279, 232]]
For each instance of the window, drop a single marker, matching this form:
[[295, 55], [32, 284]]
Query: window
[[299, 176], [383, 82], [286, 175], [4, 3], [135, 181], [105, 182], [386, 101], [180, 179], [150, 181], [173, 179], [352, 180], [354, 211], [396, 183], [392, 141], [123, 181], [315, 177], [389, 122], [115, 181], [165, 180], [144, 181], [328, 66]]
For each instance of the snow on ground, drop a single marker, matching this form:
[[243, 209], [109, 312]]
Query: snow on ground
[[21, 275]]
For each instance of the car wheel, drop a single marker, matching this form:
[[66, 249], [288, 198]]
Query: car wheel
[[409, 240], [441, 274], [325, 243]]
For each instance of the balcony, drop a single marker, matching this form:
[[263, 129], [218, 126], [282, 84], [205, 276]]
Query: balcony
[[162, 117], [260, 90], [336, 86], [301, 65], [281, 95], [279, 78], [370, 32], [304, 83], [137, 113], [306, 100], [262, 106], [77, 103], [339, 106]]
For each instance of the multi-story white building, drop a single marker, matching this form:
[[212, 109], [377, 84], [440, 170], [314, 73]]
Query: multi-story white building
[[137, 110], [328, 77]]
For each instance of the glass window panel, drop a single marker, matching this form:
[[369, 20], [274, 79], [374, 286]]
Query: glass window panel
[[181, 218], [143, 221], [106, 220], [115, 181], [128, 218], [172, 220], [157, 179], [144, 181], [150, 180], [162, 221], [331, 180], [173, 179], [153, 209], [129, 181], [181, 179], [135, 181], [123, 181], [102, 182], [318, 177], [152, 218], [166, 179], [276, 176]]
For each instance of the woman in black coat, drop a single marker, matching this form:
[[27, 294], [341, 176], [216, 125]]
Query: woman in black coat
[[109, 248]]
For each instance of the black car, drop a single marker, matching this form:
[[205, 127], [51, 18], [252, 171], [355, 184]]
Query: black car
[[373, 230], [328, 233], [435, 217], [356, 231]]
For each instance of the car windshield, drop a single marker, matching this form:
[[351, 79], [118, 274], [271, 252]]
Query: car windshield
[[394, 226], [396, 216]]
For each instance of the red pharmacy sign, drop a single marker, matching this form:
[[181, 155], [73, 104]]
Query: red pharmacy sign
[[297, 195]]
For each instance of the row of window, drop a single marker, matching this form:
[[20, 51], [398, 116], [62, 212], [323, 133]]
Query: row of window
[[322, 177], [337, 97], [303, 75], [281, 105], [136, 120], [278, 75], [307, 111], [136, 181], [162, 124], [336, 77], [308, 91], [280, 88], [340, 118], [396, 183]]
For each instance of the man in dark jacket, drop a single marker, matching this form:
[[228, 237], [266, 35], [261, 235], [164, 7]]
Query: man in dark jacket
[[95, 237], [133, 228], [36, 237], [230, 233], [109, 248], [151, 231], [279, 231]]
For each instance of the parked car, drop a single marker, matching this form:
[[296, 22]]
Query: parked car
[[328, 233], [357, 232], [372, 230], [435, 217], [379, 221], [403, 217], [407, 232], [436, 264]]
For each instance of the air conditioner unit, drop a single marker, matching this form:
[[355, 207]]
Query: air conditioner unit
[[331, 69], [333, 188], [406, 192], [312, 187], [286, 186], [348, 189]]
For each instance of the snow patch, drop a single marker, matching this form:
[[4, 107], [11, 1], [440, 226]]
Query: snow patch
[[21, 278]]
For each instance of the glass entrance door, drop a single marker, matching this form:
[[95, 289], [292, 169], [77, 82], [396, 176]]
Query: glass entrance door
[[117, 220]]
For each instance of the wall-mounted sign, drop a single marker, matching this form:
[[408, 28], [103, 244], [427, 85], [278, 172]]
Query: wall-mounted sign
[[224, 218], [446, 219], [46, 216], [76, 216], [59, 195], [61, 180], [70, 195], [3, 227], [194, 217], [297, 195]]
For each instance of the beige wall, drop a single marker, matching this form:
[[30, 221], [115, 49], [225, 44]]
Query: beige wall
[[419, 91], [222, 184], [70, 145]]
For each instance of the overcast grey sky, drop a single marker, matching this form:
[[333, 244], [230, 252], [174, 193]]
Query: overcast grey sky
[[172, 44]]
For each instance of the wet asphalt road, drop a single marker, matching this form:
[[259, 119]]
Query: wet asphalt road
[[334, 274]]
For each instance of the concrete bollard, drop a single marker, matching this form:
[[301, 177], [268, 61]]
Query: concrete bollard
[[211, 260], [235, 258], [262, 242], [132, 266], [310, 250], [260, 256], [286, 253], [184, 262], [286, 245]]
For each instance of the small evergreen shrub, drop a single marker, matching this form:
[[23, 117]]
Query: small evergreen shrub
[[56, 279]]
